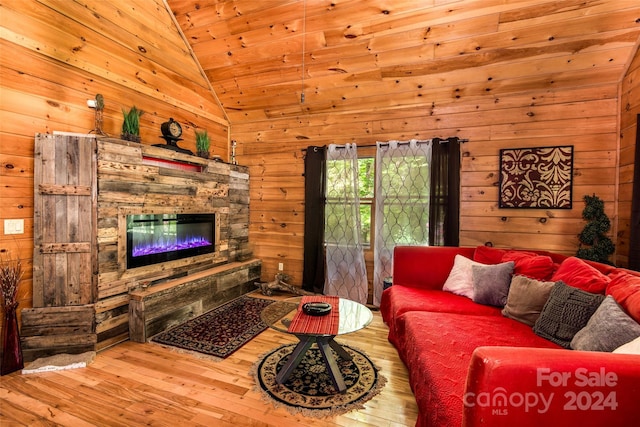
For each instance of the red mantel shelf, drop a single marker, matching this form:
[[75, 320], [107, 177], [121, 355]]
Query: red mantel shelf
[[171, 164]]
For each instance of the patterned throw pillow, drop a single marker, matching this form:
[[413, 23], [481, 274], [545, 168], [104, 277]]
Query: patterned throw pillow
[[567, 310]]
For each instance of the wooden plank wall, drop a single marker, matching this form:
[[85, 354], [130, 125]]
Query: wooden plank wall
[[629, 110], [583, 115], [57, 55]]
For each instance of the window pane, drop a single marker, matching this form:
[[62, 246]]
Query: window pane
[[336, 191], [407, 176], [406, 224], [365, 218], [366, 177]]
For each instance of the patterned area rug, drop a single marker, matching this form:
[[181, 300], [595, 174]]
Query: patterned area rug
[[221, 331], [309, 390]]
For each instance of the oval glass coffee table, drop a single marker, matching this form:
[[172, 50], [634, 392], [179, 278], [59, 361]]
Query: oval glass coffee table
[[346, 316]]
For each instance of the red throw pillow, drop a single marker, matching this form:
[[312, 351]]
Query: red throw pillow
[[577, 273], [625, 289], [530, 264], [488, 255]]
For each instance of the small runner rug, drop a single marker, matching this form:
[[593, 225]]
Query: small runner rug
[[221, 331], [309, 390]]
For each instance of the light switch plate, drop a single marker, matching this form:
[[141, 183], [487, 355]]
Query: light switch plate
[[13, 226]]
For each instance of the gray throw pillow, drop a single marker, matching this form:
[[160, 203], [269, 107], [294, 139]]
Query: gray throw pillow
[[609, 328], [526, 299], [567, 310], [491, 283]]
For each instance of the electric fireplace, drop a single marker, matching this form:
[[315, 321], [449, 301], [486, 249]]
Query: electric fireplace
[[155, 238]]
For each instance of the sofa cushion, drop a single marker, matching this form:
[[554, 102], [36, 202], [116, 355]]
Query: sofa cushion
[[488, 255], [400, 299], [529, 264], [632, 347], [460, 280], [526, 299], [567, 310], [425, 266], [625, 289], [608, 328], [437, 348], [575, 272], [491, 283]]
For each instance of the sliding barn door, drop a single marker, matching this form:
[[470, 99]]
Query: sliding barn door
[[64, 221]]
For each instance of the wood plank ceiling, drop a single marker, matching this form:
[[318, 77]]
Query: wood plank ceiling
[[350, 56]]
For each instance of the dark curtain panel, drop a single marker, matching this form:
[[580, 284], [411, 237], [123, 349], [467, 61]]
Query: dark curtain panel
[[444, 206], [634, 244], [314, 179]]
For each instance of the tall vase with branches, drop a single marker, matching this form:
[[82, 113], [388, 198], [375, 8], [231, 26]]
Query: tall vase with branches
[[10, 276]]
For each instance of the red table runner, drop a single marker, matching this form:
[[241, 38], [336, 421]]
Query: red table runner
[[303, 323]]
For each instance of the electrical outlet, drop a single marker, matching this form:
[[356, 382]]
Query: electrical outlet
[[280, 266], [13, 226]]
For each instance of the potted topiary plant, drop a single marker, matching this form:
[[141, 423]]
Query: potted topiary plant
[[131, 124], [594, 244], [202, 144]]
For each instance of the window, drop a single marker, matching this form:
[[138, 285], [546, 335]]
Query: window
[[332, 221], [366, 192]]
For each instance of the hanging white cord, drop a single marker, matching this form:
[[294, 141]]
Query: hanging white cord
[[304, 34]]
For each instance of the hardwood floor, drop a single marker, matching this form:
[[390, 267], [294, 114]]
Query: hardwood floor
[[146, 384]]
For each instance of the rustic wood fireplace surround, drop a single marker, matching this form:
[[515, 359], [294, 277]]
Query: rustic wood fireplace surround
[[85, 297]]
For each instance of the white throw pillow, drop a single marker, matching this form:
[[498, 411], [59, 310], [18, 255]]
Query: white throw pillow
[[460, 280], [632, 347]]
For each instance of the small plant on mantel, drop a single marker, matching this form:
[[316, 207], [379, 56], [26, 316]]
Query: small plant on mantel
[[131, 124], [202, 144]]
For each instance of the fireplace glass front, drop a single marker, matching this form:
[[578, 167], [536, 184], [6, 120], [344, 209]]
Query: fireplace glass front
[[155, 238]]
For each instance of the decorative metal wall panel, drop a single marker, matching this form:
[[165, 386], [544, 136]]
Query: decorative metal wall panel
[[536, 177]]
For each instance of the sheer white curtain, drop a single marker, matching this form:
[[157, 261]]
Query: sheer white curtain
[[402, 203], [346, 271]]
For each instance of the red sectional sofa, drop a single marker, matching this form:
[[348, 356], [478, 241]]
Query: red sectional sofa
[[474, 364]]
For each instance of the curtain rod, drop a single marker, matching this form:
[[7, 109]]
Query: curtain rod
[[451, 139]]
